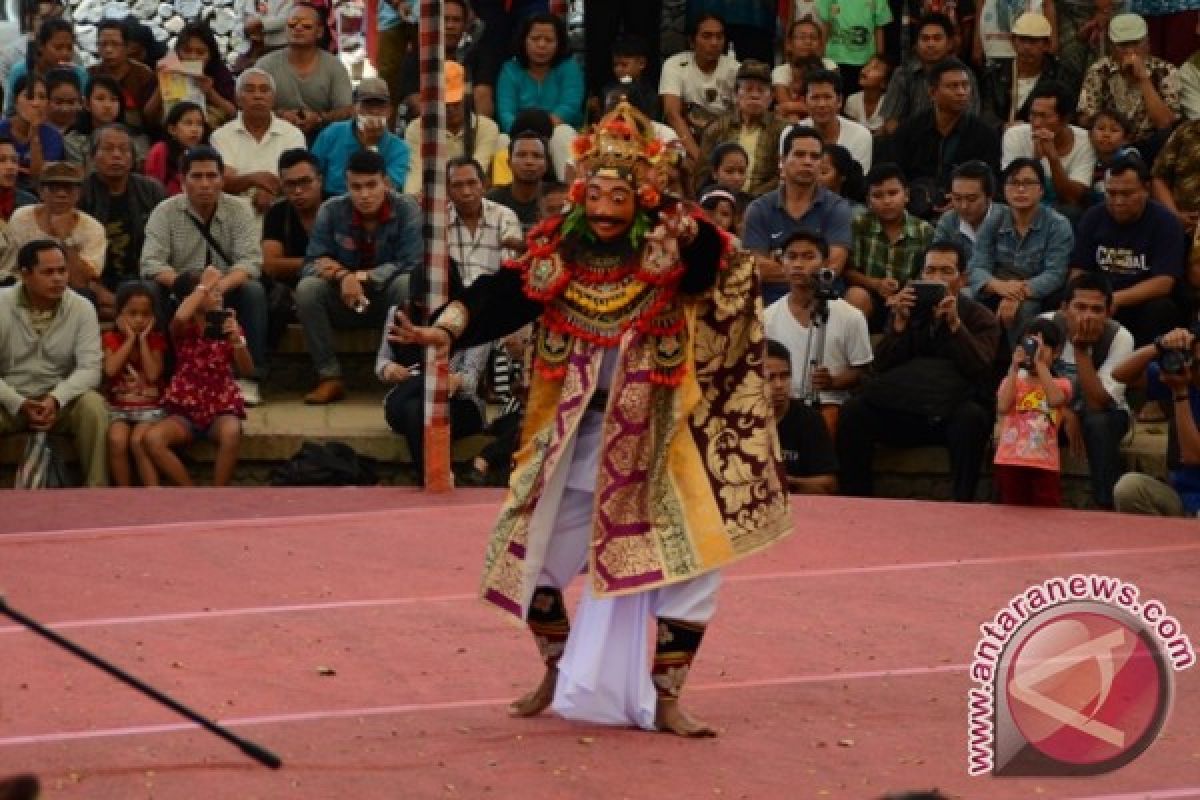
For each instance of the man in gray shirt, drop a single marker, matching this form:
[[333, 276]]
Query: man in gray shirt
[[312, 86], [203, 227], [50, 358]]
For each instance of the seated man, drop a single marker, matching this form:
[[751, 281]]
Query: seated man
[[366, 130], [50, 346], [1140, 246], [59, 219], [824, 96], [1172, 376], [204, 227], [826, 364], [1065, 150], [799, 202], [480, 233], [362, 250], [972, 187], [1094, 345], [325, 94], [931, 144], [288, 223], [252, 142], [1007, 83], [889, 245], [1142, 87], [120, 200], [528, 156], [1177, 175], [808, 457], [935, 382], [753, 125]]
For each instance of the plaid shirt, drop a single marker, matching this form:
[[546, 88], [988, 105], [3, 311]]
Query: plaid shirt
[[174, 241], [1105, 87], [876, 257]]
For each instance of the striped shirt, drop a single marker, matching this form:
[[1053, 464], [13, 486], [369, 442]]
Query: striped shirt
[[481, 252]]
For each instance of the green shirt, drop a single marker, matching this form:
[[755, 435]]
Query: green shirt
[[876, 257], [852, 25]]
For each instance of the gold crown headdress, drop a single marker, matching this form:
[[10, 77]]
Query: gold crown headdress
[[620, 145]]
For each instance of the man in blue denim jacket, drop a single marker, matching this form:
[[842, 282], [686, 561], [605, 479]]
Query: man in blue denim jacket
[[362, 250]]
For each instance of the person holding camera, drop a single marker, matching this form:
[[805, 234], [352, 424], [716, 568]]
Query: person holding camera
[[826, 336], [1094, 344], [1030, 402], [203, 400], [934, 379], [1170, 371]]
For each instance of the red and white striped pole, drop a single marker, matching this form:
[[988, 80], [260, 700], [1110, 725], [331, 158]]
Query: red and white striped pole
[[431, 56]]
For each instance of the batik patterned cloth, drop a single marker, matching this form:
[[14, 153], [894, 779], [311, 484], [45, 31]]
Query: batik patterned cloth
[[689, 477]]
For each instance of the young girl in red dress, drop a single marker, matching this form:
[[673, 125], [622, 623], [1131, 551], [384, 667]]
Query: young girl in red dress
[[203, 400], [133, 381]]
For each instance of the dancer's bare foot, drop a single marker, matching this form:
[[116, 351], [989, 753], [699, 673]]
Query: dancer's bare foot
[[539, 699], [670, 718]]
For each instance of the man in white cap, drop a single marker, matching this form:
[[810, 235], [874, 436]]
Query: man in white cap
[[466, 133], [1143, 87], [1007, 83], [366, 130]]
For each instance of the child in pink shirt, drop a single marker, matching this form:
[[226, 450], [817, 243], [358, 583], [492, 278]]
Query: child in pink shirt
[[1030, 402]]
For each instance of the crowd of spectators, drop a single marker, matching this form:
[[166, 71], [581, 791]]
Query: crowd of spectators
[[959, 211]]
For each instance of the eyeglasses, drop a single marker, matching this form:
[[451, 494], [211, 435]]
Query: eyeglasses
[[59, 187]]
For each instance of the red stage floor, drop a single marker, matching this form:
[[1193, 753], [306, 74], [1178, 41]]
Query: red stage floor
[[339, 628]]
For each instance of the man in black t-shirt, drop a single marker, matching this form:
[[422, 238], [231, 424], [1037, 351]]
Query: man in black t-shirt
[[808, 455], [287, 222], [528, 160]]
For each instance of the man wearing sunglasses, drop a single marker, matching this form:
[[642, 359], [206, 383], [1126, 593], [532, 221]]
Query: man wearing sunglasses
[[312, 86]]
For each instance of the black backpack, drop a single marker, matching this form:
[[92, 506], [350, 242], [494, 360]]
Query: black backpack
[[326, 464]]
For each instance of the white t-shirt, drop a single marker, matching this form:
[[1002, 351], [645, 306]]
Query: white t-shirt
[[852, 136], [711, 91], [847, 343], [1079, 163], [856, 110], [1120, 349]]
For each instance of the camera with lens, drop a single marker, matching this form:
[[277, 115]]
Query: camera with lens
[[1030, 345], [825, 284], [1172, 360]]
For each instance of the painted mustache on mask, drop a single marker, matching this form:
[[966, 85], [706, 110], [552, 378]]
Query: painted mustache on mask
[[601, 219]]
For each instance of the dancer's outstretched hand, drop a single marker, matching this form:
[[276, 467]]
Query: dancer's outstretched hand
[[402, 331]]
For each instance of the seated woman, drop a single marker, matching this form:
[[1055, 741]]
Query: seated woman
[[27, 127], [542, 74], [1020, 259]]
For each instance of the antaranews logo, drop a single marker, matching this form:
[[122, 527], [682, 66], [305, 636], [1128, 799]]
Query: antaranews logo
[[1073, 677]]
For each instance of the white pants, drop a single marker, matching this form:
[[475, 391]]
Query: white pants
[[604, 674]]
